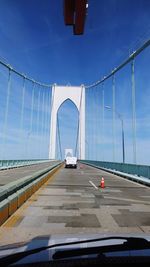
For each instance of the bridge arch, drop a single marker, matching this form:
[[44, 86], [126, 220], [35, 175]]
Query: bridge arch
[[66, 101], [67, 127], [59, 95]]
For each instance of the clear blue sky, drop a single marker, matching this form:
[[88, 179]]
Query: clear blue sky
[[35, 41]]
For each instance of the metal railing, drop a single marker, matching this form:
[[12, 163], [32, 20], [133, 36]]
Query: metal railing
[[134, 169], [7, 164]]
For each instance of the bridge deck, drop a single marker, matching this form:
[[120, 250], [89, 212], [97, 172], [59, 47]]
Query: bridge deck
[[9, 175], [69, 203]]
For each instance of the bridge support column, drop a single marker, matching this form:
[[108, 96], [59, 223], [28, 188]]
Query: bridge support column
[[82, 126], [59, 95]]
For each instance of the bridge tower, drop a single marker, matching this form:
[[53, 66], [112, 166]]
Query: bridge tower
[[59, 95]]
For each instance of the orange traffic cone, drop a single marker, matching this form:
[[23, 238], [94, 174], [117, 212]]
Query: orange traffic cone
[[102, 184]]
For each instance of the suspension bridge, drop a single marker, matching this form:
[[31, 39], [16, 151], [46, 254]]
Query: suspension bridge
[[38, 196]]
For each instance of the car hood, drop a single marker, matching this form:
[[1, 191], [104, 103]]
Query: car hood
[[46, 255]]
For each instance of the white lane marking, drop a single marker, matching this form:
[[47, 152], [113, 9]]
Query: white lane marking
[[93, 184]]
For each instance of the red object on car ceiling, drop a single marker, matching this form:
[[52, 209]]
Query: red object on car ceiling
[[75, 14]]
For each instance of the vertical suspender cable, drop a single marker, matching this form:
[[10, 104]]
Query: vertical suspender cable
[[31, 115], [94, 120], [32, 106], [45, 124], [100, 125], [98, 120], [113, 114], [93, 124], [22, 116], [97, 123], [37, 122], [90, 121], [103, 118], [92, 139], [43, 137], [133, 112], [87, 127], [42, 126], [6, 113]]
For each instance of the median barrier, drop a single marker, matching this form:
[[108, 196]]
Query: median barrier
[[14, 194], [4, 214]]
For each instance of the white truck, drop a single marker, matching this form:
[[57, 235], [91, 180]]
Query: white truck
[[71, 162]]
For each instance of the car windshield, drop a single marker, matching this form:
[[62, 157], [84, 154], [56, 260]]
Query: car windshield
[[74, 120]]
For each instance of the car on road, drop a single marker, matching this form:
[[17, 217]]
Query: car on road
[[71, 162]]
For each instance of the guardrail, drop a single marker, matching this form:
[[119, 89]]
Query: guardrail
[[138, 173], [14, 194], [7, 164]]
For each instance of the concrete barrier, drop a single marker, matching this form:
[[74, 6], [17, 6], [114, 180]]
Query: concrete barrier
[[21, 197], [14, 194], [12, 204], [4, 214]]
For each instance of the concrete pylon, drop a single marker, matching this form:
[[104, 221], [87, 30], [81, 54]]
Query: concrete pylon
[[59, 95]]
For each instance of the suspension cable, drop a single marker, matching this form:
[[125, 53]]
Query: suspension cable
[[129, 59], [125, 62], [23, 75]]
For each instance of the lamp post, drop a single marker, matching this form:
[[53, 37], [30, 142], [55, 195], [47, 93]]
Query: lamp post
[[122, 130]]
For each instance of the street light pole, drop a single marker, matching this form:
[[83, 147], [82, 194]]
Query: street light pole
[[122, 130]]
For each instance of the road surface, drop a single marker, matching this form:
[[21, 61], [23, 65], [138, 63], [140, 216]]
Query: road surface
[[72, 203], [9, 175]]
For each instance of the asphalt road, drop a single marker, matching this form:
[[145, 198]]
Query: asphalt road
[[72, 203], [10, 175]]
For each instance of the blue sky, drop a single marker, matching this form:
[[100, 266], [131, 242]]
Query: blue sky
[[36, 42]]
